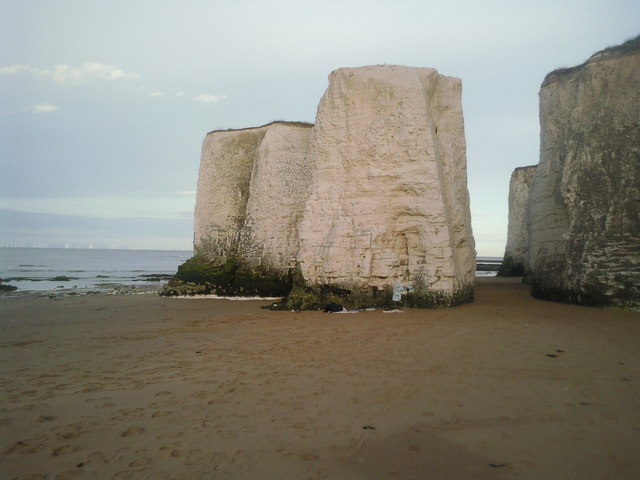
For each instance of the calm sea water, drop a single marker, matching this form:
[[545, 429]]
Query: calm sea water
[[487, 266], [84, 270]]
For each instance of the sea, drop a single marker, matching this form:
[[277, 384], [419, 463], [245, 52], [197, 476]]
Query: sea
[[85, 271], [69, 271], [487, 266]]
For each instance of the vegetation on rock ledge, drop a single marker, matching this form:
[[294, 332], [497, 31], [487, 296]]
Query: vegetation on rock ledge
[[199, 276], [318, 298]]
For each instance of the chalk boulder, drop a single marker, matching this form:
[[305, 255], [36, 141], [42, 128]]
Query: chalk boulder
[[584, 206], [517, 250], [388, 205]]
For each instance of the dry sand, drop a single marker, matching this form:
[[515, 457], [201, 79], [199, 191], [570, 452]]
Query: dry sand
[[144, 387]]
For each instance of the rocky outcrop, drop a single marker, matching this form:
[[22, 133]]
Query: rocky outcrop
[[389, 206], [584, 207], [368, 207], [517, 249], [252, 187]]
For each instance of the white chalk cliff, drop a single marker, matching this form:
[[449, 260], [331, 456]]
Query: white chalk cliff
[[584, 242], [389, 203], [373, 197], [516, 253]]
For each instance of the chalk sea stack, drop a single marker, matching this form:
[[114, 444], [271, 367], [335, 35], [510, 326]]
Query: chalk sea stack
[[252, 186], [584, 238], [389, 206], [368, 207], [516, 253]]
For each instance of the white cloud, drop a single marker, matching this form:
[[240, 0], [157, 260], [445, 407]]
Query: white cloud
[[187, 192], [67, 75], [202, 97], [91, 72], [15, 69], [209, 98], [42, 108]]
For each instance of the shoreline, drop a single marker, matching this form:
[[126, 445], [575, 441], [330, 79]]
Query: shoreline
[[104, 289], [149, 387]]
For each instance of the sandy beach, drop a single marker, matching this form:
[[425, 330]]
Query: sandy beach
[[145, 387]]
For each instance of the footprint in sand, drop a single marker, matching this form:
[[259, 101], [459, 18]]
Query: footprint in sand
[[46, 418], [132, 412], [160, 414], [70, 434], [125, 475], [307, 457], [22, 447], [122, 453], [33, 476], [139, 462], [132, 431], [68, 475], [96, 458], [64, 450], [200, 394]]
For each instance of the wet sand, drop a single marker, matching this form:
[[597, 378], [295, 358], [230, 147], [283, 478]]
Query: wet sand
[[144, 387]]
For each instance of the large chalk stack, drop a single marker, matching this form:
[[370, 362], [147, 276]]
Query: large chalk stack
[[389, 205], [516, 254], [369, 204], [585, 199]]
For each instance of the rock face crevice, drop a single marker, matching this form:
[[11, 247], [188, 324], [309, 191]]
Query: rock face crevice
[[584, 243], [371, 199], [516, 254]]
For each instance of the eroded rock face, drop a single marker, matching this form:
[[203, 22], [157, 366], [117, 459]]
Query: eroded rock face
[[585, 209], [517, 249], [252, 188], [389, 204]]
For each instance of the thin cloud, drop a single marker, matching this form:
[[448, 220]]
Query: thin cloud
[[92, 72], [209, 98], [42, 108], [16, 69], [202, 97], [66, 75]]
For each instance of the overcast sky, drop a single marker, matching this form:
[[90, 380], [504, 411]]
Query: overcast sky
[[104, 104]]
